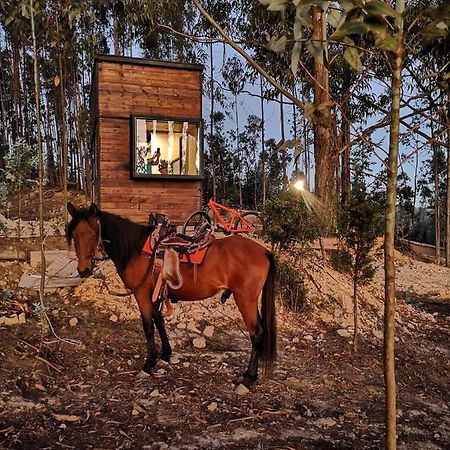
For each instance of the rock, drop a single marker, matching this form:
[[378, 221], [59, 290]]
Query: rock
[[295, 340], [73, 321], [22, 318], [174, 360], [181, 326], [55, 312], [308, 337], [199, 342], [208, 331], [241, 390], [154, 393], [212, 406], [156, 446], [8, 321], [113, 318], [378, 334], [344, 333], [142, 375], [325, 422], [192, 327]]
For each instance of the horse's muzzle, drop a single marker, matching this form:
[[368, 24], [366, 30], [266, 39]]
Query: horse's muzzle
[[85, 273]]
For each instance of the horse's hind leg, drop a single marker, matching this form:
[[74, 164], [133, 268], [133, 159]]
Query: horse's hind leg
[[249, 311], [166, 350]]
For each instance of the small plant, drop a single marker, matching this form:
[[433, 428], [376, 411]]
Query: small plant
[[291, 285], [359, 226], [6, 294]]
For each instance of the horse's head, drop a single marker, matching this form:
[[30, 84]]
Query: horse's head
[[84, 231]]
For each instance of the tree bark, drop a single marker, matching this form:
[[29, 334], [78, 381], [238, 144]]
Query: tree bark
[[283, 152], [447, 213], [211, 130], [345, 157], [323, 148], [263, 146], [389, 262], [437, 212]]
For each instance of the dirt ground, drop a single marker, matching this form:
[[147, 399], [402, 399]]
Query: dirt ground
[[83, 388]]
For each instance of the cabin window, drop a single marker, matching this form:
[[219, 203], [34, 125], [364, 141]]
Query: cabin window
[[166, 148]]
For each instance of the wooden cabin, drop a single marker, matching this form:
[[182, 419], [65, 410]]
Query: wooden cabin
[[146, 137]]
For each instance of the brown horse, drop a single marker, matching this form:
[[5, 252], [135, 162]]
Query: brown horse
[[235, 264]]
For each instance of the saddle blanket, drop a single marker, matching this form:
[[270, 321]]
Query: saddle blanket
[[196, 257]]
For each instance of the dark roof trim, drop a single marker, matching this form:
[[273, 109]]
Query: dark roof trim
[[147, 62]]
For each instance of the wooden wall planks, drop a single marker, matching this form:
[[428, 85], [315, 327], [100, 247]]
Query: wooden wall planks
[[122, 90]]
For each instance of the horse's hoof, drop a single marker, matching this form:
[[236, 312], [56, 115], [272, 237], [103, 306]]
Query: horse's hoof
[[166, 357], [148, 366], [247, 380]]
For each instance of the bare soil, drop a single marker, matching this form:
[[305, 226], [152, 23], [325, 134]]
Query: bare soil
[[87, 392]]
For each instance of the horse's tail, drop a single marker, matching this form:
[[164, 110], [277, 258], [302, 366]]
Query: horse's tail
[[268, 349]]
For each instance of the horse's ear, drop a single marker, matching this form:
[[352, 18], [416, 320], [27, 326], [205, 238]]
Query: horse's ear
[[72, 210], [93, 209]]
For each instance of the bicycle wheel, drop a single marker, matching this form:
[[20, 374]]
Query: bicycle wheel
[[255, 222], [195, 221]]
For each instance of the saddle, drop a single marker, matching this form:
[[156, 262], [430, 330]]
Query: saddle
[[170, 248]]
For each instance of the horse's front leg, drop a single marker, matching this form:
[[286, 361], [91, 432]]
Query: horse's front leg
[[166, 350], [146, 308]]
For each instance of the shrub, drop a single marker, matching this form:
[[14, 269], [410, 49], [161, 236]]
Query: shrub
[[291, 285], [288, 221]]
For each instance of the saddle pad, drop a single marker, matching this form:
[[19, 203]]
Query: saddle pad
[[195, 258]]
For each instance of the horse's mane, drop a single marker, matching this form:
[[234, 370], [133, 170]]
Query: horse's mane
[[122, 238]]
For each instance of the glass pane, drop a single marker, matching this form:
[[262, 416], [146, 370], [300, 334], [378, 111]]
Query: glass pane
[[165, 147]]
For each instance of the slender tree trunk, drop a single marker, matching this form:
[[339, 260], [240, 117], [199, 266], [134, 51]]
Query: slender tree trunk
[[263, 145], [116, 34], [355, 307], [323, 149], [437, 212], [389, 258], [238, 152], [40, 153], [15, 88], [447, 212], [63, 133], [345, 158], [416, 169], [212, 150], [283, 153]]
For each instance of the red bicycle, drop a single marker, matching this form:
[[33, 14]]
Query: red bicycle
[[227, 220]]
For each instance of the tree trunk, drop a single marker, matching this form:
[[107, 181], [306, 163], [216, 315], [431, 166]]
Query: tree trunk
[[447, 213], [437, 212], [355, 306], [345, 157], [238, 152], [211, 131], [63, 133], [263, 146], [283, 153], [323, 149], [389, 263]]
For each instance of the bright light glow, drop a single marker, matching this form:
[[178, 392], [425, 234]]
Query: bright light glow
[[299, 185]]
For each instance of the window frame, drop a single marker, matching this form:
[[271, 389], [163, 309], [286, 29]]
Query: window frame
[[160, 176]]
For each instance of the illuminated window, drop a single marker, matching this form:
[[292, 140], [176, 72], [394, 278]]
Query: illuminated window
[[166, 148]]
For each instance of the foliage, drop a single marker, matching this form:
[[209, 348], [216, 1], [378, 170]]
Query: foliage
[[359, 225], [20, 163], [288, 221], [291, 285]]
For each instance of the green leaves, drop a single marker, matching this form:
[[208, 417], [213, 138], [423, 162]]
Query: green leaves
[[351, 55]]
